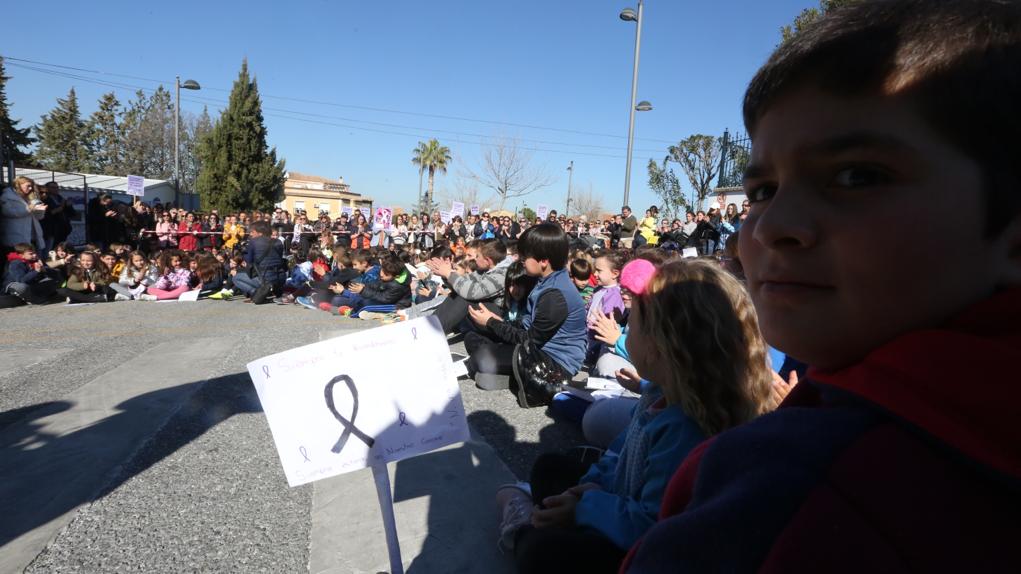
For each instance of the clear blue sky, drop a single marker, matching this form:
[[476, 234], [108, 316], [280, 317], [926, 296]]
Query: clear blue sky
[[562, 64]]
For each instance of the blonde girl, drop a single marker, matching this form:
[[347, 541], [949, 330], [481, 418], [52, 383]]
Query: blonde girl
[[695, 339]]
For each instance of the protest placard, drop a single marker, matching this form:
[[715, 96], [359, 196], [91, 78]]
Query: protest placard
[[332, 408], [542, 211], [366, 212], [474, 210], [344, 404], [384, 216], [347, 210], [445, 216], [136, 185], [456, 209]]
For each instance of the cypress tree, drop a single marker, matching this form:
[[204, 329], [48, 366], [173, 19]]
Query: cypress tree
[[62, 137], [9, 130], [239, 171]]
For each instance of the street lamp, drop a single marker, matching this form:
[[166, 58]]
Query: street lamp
[[629, 15], [188, 85]]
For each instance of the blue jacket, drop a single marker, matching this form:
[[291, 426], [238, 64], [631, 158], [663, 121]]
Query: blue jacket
[[271, 268], [635, 470], [18, 272], [567, 347]]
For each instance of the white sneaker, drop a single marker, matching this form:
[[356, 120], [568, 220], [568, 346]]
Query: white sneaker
[[515, 506], [121, 297], [147, 297], [138, 291]]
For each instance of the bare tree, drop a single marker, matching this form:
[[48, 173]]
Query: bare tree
[[699, 156], [466, 190], [506, 169], [586, 202]]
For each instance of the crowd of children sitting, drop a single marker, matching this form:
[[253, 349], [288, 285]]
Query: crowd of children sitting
[[896, 452]]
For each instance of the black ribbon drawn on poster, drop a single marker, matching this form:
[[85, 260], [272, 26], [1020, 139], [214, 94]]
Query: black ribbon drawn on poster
[[349, 425]]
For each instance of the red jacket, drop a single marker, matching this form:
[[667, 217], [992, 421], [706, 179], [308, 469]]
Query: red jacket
[[186, 238], [909, 461]]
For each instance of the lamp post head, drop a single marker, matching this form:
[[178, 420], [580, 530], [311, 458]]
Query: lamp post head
[[191, 85], [628, 15], [643, 106]]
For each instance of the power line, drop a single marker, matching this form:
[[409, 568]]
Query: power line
[[199, 100], [359, 107]]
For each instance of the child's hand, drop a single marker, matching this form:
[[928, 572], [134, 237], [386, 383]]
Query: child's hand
[[424, 291], [583, 488], [606, 329], [337, 288], [559, 511], [356, 287], [481, 315], [629, 379], [781, 388]]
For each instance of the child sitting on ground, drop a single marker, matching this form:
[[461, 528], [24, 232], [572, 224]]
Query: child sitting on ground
[[87, 280], [546, 350], [899, 451], [695, 337], [390, 293], [133, 278], [28, 278], [581, 273], [175, 278]]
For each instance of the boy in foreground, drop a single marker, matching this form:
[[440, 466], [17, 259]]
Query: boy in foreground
[[882, 247]]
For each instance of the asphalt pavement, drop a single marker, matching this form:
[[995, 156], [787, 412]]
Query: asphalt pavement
[[131, 439]]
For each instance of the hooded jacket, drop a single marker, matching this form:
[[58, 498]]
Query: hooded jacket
[[486, 286], [909, 460]]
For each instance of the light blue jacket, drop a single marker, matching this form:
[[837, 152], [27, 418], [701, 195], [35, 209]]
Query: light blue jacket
[[634, 472]]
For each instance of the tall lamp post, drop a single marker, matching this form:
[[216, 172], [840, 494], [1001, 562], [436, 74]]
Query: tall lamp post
[[629, 15], [188, 85], [570, 172]]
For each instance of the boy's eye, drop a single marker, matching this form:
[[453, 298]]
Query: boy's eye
[[860, 177], [760, 192]]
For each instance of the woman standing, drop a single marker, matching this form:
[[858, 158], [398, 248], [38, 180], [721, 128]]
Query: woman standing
[[187, 238], [20, 221]]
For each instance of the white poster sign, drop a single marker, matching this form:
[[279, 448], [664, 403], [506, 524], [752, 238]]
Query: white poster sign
[[474, 210], [347, 210], [445, 216], [542, 211], [366, 212], [136, 185], [456, 209], [344, 404], [384, 215]]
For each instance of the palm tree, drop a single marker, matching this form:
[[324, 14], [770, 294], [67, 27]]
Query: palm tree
[[417, 157], [435, 157]]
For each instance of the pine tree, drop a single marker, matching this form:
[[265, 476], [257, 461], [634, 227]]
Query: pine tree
[[15, 137], [104, 133], [158, 135], [238, 170], [63, 138], [132, 157]]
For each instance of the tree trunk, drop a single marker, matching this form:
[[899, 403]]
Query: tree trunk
[[429, 196], [420, 173]]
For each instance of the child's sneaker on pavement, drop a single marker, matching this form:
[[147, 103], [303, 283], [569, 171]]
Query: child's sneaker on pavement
[[146, 297], [514, 502], [306, 302]]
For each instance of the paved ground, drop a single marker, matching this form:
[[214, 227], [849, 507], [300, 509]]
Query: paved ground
[[131, 439]]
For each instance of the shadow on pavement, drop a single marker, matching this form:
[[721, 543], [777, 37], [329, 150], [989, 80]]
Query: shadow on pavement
[[46, 474]]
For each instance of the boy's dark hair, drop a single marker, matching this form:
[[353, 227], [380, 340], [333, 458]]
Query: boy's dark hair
[[362, 256], [23, 248], [512, 247], [441, 252], [391, 265], [956, 60], [545, 241], [473, 244], [262, 227], [342, 259], [581, 269], [493, 249]]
